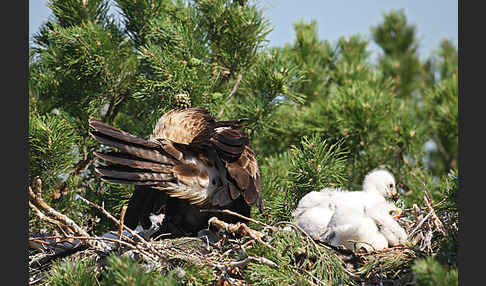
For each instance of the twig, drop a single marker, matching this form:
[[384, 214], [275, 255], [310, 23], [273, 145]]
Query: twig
[[97, 238], [78, 168], [230, 96], [122, 219], [57, 254], [437, 221], [309, 238], [133, 233], [226, 211], [419, 225], [43, 217], [261, 260], [162, 234], [115, 220], [427, 199], [314, 277], [238, 228]]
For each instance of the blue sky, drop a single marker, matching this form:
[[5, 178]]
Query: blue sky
[[434, 19]]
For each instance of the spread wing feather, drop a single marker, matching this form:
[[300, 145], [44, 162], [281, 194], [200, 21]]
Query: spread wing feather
[[151, 154], [116, 133], [159, 163], [132, 161], [133, 175]]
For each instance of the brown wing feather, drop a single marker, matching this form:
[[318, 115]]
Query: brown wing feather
[[107, 130], [132, 161], [244, 171], [133, 175], [231, 137], [151, 154]]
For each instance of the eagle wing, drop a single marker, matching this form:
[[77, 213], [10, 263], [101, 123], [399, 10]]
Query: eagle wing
[[189, 155], [160, 164]]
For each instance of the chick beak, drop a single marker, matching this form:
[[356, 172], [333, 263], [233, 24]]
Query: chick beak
[[394, 195], [398, 213]]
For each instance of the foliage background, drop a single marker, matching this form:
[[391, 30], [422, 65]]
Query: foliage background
[[320, 113]]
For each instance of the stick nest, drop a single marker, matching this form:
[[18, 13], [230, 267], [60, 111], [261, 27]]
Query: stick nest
[[234, 253]]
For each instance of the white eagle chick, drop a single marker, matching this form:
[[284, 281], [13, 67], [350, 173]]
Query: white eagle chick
[[383, 215], [372, 228], [351, 228], [315, 209]]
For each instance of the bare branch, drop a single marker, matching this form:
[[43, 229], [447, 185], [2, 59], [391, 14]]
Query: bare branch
[[122, 219], [42, 216], [419, 225], [226, 211], [230, 96], [260, 260], [437, 221], [122, 226], [36, 199], [238, 228]]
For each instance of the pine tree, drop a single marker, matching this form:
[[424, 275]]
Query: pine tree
[[320, 114], [400, 60]]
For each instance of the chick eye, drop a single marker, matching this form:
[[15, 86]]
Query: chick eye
[[380, 226], [390, 186]]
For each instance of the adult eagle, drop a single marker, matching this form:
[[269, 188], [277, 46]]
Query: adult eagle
[[190, 162]]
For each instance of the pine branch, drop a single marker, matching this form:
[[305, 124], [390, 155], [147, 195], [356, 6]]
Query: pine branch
[[114, 107], [81, 166]]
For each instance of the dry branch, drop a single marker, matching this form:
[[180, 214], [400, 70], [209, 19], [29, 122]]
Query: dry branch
[[122, 226], [419, 225], [260, 260], [122, 219], [225, 211], [43, 217], [437, 221], [230, 96], [236, 228], [36, 199]]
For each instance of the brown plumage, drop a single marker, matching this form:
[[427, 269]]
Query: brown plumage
[[190, 162]]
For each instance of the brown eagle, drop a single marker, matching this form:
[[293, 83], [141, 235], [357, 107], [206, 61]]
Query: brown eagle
[[190, 162]]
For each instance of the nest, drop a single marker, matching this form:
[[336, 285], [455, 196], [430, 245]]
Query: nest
[[231, 250]]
